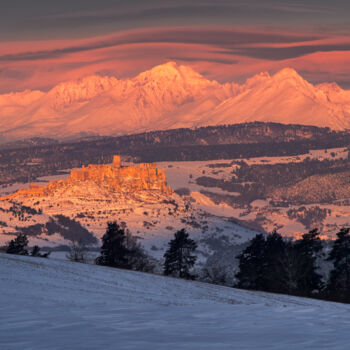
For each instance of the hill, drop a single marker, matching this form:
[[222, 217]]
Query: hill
[[48, 304], [166, 97], [79, 206]]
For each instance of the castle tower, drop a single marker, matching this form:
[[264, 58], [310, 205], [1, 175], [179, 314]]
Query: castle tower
[[117, 163]]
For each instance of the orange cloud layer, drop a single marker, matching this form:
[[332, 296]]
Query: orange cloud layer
[[224, 54]]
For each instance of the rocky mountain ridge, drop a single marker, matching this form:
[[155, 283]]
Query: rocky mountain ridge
[[166, 97]]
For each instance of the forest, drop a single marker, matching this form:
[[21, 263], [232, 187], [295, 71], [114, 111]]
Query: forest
[[25, 160]]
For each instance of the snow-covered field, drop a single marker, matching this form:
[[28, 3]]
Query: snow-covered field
[[154, 217], [184, 175], [50, 304]]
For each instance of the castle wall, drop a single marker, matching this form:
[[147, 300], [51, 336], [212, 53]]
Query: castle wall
[[146, 176]]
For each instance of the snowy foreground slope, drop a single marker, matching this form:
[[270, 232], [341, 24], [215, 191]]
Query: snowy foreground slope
[[48, 304]]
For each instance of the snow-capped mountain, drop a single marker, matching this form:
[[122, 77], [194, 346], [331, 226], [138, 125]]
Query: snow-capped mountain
[[170, 96]]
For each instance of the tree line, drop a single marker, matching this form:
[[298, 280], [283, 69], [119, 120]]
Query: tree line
[[269, 263], [273, 264], [19, 246], [120, 249]]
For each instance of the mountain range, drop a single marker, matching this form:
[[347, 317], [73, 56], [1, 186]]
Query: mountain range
[[169, 96]]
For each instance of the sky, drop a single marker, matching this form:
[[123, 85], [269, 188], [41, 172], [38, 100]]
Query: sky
[[45, 42]]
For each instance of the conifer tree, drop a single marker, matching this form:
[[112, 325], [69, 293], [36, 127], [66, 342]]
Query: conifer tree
[[290, 265], [113, 251], [120, 249], [308, 281], [339, 279], [18, 245], [275, 267], [178, 258], [270, 264], [252, 263]]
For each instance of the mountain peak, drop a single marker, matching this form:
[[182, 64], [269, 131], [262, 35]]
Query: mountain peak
[[166, 70], [287, 73], [330, 87], [83, 89], [170, 95], [169, 71], [88, 83], [257, 80]]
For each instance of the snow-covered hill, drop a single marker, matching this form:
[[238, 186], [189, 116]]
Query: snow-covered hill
[[152, 216], [48, 304], [169, 96]]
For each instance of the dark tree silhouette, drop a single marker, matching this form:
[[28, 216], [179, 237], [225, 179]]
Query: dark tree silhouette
[[113, 251], [138, 259], [275, 267], [78, 252], [309, 281], [120, 249], [273, 264], [290, 264], [36, 252], [252, 263], [178, 258], [339, 280], [18, 245]]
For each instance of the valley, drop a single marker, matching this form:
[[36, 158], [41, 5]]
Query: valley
[[268, 193], [245, 179], [79, 207]]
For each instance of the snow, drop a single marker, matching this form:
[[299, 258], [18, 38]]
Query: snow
[[184, 174], [52, 304], [170, 96], [149, 219], [152, 216]]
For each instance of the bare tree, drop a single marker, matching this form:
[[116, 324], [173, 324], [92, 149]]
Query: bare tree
[[78, 252]]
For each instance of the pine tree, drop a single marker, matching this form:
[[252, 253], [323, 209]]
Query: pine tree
[[120, 249], [308, 281], [290, 264], [339, 281], [114, 252], [275, 268], [269, 264], [252, 263], [178, 258], [18, 245]]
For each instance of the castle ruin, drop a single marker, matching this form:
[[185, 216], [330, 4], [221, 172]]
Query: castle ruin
[[115, 176]]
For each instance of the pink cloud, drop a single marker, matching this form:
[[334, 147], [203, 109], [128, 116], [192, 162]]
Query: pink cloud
[[225, 54]]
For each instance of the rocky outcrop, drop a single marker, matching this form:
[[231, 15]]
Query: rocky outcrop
[[115, 177]]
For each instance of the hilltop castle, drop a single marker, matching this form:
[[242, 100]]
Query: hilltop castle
[[115, 176]]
